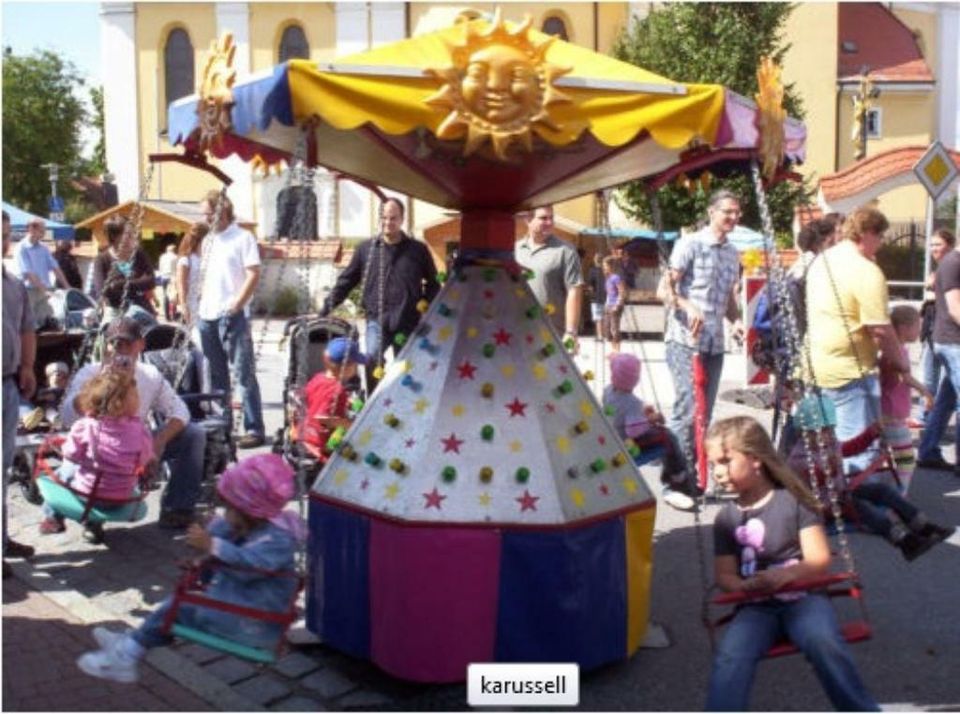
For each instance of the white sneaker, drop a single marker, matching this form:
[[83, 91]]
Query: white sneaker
[[110, 664], [678, 500], [106, 638]]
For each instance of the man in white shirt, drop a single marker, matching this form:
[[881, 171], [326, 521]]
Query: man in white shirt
[[177, 442], [231, 274], [35, 263]]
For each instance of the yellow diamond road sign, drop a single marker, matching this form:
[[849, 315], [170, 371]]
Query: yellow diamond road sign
[[936, 170]]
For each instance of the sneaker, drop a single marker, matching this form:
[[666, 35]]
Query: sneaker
[[176, 520], [913, 546], [52, 524], [12, 549], [678, 500], [251, 441], [93, 533], [936, 533], [937, 462], [109, 663], [107, 639]]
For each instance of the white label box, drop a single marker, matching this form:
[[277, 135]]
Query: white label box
[[546, 684]]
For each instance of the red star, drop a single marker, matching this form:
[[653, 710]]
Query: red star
[[516, 407], [466, 370], [502, 337], [488, 294], [433, 499], [433, 365], [364, 484], [563, 369], [601, 440], [529, 339], [527, 502], [451, 443], [387, 402], [604, 490], [550, 407], [409, 443]]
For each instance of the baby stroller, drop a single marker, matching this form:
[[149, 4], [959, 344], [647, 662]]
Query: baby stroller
[[308, 337], [69, 306], [181, 366]]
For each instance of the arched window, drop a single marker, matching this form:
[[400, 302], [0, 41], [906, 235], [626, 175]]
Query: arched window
[[554, 25], [178, 66], [293, 44]]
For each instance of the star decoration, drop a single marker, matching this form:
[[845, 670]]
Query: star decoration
[[364, 438], [601, 440], [434, 499], [516, 447], [339, 476], [516, 407], [545, 334], [529, 339], [508, 370], [578, 497], [409, 443], [391, 491], [420, 405], [472, 332], [519, 292], [387, 402], [466, 370], [484, 499], [563, 369], [452, 443], [488, 294], [550, 407], [563, 444], [539, 371], [502, 337], [434, 365], [604, 489], [527, 501], [364, 484], [630, 486], [586, 408], [443, 334], [457, 410]]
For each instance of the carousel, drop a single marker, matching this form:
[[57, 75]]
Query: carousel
[[481, 508]]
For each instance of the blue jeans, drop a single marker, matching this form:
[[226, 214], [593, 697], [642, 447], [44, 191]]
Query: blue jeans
[[227, 342], [184, 458], [11, 415], [680, 362], [873, 501], [943, 406], [858, 406], [811, 624], [931, 367]]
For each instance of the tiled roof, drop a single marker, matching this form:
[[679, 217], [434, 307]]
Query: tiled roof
[[866, 179], [882, 43]]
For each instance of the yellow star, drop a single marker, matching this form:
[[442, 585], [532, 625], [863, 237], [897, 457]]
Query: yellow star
[[443, 334], [545, 335], [516, 446], [539, 371], [457, 410], [365, 437], [519, 292], [339, 476], [508, 370], [472, 332], [586, 408], [484, 499], [563, 444], [392, 490], [420, 405], [576, 495], [630, 486], [454, 294]]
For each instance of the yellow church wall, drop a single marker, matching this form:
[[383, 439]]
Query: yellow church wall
[[269, 20], [812, 67]]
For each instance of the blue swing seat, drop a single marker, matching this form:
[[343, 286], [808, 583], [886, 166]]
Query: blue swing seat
[[69, 505], [222, 644]]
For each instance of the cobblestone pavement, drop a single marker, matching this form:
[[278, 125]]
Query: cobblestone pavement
[[71, 585]]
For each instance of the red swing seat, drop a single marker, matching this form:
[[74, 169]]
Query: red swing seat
[[833, 585], [191, 589]]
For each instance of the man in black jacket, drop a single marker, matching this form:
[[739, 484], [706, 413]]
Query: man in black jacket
[[396, 272]]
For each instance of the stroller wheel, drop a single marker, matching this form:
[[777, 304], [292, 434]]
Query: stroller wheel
[[21, 473]]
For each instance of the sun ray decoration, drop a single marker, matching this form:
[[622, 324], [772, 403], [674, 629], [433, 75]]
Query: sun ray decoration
[[216, 95], [499, 87], [771, 116]]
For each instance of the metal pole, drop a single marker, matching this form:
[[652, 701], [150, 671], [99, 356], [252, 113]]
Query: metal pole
[[931, 209]]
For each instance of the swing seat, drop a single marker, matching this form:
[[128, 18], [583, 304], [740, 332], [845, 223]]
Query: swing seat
[[69, 505], [833, 585], [222, 644]]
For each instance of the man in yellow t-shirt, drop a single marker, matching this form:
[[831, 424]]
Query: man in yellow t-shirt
[[849, 324]]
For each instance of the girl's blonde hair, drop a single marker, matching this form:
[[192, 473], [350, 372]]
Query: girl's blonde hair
[[105, 394], [745, 435]]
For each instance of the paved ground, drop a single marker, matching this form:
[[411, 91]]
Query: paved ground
[[69, 586]]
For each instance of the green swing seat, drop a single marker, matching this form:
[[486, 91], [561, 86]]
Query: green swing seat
[[69, 505], [221, 644]]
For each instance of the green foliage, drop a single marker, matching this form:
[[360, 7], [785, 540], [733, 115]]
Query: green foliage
[[99, 162], [716, 43], [42, 119], [286, 301]]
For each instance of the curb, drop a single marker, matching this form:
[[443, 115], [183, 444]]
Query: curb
[[163, 659]]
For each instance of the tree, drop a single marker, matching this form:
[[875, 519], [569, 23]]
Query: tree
[[42, 119], [99, 162], [717, 43]]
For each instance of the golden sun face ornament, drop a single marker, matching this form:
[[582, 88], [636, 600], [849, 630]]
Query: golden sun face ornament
[[772, 116], [499, 87], [216, 95]]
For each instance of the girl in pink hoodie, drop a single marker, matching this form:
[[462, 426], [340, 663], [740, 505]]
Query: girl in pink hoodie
[[109, 441]]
